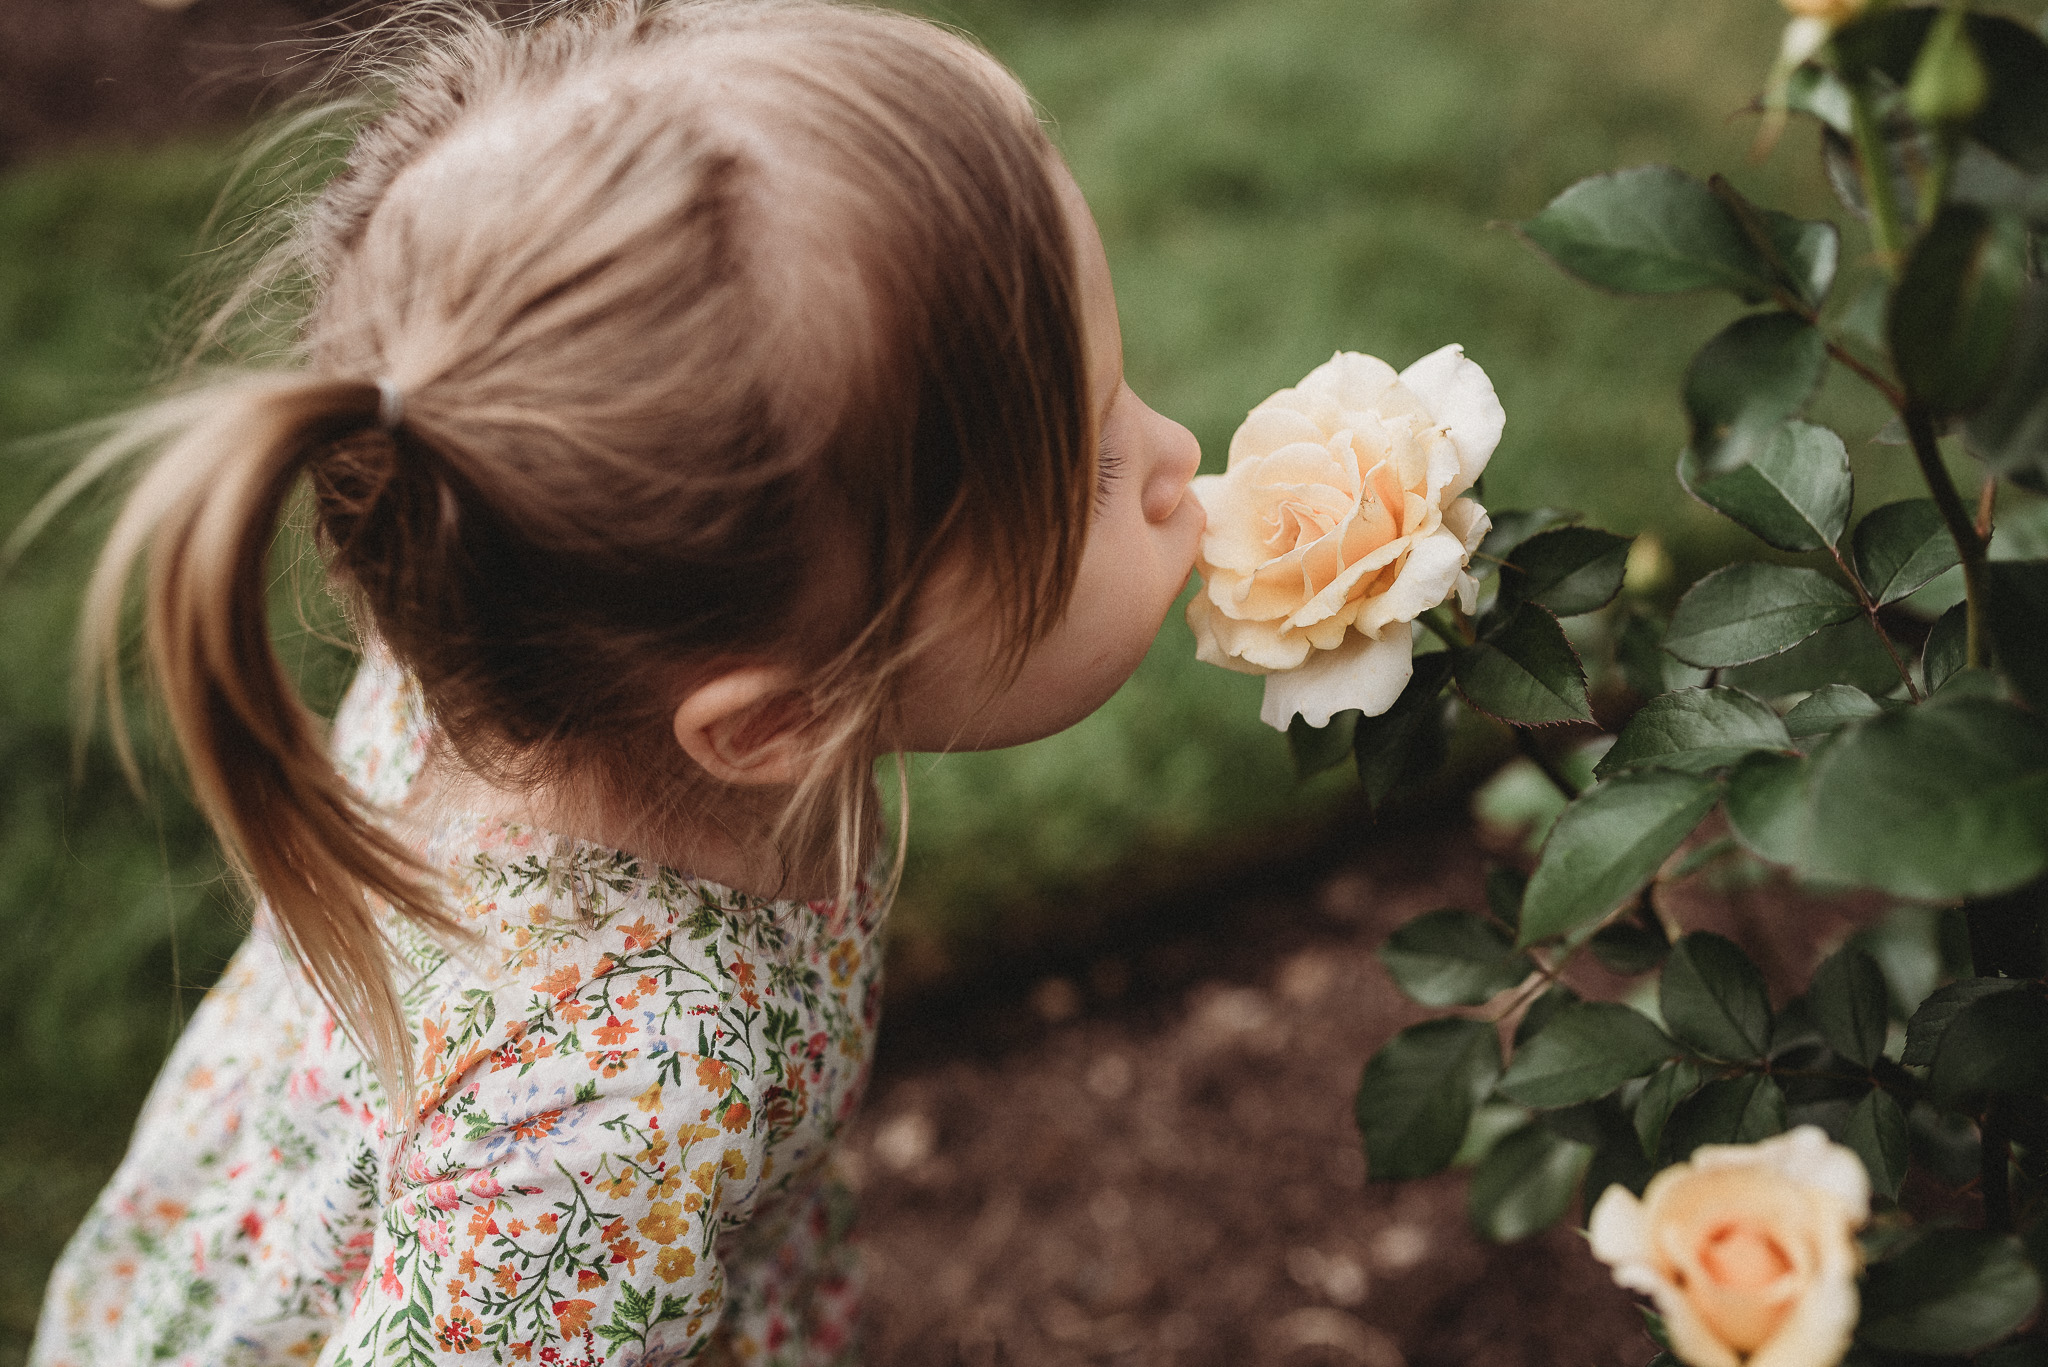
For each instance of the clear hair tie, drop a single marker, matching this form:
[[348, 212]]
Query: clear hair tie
[[390, 405]]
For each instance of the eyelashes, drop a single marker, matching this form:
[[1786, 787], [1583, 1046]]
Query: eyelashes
[[1108, 466]]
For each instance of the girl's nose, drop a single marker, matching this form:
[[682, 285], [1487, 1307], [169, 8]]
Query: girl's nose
[[1178, 457]]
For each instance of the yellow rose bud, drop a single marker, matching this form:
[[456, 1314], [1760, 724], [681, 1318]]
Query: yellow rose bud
[[1833, 13], [1748, 1250]]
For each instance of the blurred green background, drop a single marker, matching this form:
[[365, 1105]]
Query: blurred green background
[[1275, 179]]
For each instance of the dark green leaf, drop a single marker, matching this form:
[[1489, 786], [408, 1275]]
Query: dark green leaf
[[1989, 182], [1504, 890], [1740, 1110], [1628, 949], [1800, 255], [1745, 382], [1998, 1043], [1931, 1021], [1795, 492], [1848, 652], [1569, 570], [1418, 1094], [1525, 1184], [1453, 958], [1695, 729], [1607, 844], [1542, 1012], [1511, 528], [1941, 801], [1649, 230], [1947, 648], [1827, 708], [1618, 1156], [1667, 1087], [1713, 999], [1646, 666], [1317, 748], [1524, 671], [1953, 311], [2016, 610], [2009, 432], [1406, 743], [1585, 1051], [1950, 1291], [1847, 1001], [1820, 93], [1746, 611], [1877, 1131], [1901, 546], [2014, 119]]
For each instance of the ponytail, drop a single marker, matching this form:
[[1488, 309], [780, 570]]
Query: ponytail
[[205, 514]]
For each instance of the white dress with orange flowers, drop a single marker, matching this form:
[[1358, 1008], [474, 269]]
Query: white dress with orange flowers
[[620, 1154]]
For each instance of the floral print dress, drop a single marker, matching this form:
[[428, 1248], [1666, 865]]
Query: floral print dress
[[619, 1153]]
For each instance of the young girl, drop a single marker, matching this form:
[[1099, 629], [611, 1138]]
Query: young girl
[[697, 402]]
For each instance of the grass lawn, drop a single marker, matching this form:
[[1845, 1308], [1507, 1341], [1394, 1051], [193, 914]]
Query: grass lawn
[[1275, 179]]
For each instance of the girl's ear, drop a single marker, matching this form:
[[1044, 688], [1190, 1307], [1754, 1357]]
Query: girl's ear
[[747, 726]]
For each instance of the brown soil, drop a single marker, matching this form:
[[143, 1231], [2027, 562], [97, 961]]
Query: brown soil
[[1147, 1156]]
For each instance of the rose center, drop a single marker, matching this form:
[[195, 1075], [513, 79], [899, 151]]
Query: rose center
[[1746, 1290], [1741, 1257]]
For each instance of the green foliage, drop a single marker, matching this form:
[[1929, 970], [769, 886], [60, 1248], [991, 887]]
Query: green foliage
[[1844, 733], [1567, 571], [1794, 493], [1751, 610], [1522, 669], [1584, 1052], [1847, 1000], [1694, 730], [1899, 547], [1713, 1000], [1608, 844], [1453, 958], [1949, 1291], [1419, 1092], [1525, 1184], [1746, 381], [1953, 313]]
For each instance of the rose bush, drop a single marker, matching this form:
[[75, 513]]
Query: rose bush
[[1748, 1250], [1339, 521], [1845, 709]]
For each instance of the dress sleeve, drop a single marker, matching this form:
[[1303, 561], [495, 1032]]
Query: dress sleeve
[[560, 1207]]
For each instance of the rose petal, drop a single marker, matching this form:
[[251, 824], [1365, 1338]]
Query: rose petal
[[1808, 1157], [1350, 379], [1426, 579], [1620, 1237], [1363, 673], [1461, 398], [1202, 617], [1268, 428], [1468, 521]]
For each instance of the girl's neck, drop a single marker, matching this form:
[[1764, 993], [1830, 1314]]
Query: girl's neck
[[720, 834]]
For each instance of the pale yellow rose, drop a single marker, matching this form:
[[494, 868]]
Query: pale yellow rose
[[1748, 1250], [1339, 521]]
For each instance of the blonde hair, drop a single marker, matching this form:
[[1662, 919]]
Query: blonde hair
[[693, 309]]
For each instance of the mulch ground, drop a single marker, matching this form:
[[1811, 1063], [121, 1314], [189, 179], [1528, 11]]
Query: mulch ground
[[1146, 1155]]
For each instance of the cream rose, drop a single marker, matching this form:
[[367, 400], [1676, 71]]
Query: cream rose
[[1748, 1250], [1337, 523]]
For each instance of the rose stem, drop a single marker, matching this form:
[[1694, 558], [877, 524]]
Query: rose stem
[[1969, 546]]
